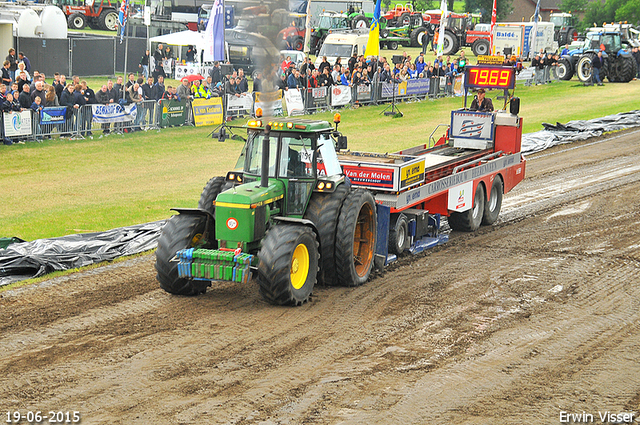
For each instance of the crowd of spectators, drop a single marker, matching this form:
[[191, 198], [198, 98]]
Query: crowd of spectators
[[359, 70]]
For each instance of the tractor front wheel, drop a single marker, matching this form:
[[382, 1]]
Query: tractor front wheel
[[76, 21], [565, 70], [356, 238], [288, 265], [180, 232]]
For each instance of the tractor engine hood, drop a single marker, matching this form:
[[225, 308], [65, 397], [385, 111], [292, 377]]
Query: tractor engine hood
[[242, 212]]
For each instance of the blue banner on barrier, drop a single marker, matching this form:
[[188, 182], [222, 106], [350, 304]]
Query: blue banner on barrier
[[419, 86], [114, 113], [413, 87], [53, 115]]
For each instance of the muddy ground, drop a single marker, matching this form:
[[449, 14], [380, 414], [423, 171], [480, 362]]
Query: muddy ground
[[534, 316]]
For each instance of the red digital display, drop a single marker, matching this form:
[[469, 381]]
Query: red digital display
[[490, 77]]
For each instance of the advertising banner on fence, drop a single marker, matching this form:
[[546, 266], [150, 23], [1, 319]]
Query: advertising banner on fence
[[340, 95], [319, 96], [418, 87], [242, 104], [207, 111], [53, 115], [113, 113], [17, 123], [270, 103], [295, 105], [363, 92], [173, 112]]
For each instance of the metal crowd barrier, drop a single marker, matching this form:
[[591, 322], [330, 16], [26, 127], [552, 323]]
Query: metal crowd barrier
[[86, 120]]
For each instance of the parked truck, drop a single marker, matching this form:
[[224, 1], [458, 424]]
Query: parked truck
[[303, 209]]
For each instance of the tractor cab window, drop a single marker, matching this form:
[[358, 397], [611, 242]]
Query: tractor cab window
[[296, 158], [611, 42], [253, 160]]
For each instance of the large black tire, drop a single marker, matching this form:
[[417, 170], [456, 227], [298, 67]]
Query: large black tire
[[565, 70], [297, 43], [493, 205], [450, 43], [108, 20], [288, 264], [470, 220], [418, 36], [398, 234], [323, 210], [180, 232], [583, 68], [76, 21], [210, 192], [359, 22], [480, 47], [404, 19], [356, 238], [314, 45], [627, 69]]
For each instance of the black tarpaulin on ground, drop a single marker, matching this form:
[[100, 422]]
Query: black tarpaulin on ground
[[25, 260], [573, 131]]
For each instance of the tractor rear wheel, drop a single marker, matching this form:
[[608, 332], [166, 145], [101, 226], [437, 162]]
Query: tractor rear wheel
[[180, 232], [76, 21], [288, 265], [480, 47], [356, 238], [297, 43], [359, 22], [418, 36], [450, 43], [323, 211], [627, 69], [470, 220], [565, 71], [404, 19], [108, 20], [493, 205]]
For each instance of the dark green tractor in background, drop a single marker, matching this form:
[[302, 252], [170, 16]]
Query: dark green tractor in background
[[288, 217]]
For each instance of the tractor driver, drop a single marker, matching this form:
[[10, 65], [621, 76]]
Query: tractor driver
[[482, 103]]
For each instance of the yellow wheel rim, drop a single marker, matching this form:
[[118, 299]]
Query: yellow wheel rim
[[299, 266]]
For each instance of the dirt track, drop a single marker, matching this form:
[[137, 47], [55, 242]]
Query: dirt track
[[536, 315]]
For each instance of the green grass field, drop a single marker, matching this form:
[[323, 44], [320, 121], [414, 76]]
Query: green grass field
[[61, 187]]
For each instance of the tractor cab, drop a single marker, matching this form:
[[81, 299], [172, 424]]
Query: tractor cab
[[283, 163], [609, 42]]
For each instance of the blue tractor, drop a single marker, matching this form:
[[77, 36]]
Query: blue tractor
[[619, 65]]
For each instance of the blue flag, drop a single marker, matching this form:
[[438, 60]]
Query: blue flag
[[215, 31]]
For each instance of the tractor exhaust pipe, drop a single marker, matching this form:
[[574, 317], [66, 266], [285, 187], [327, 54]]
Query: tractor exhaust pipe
[[264, 175]]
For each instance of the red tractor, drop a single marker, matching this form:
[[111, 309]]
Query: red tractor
[[101, 14], [460, 31], [292, 36]]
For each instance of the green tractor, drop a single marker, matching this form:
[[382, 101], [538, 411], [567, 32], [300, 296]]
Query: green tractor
[[288, 217]]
